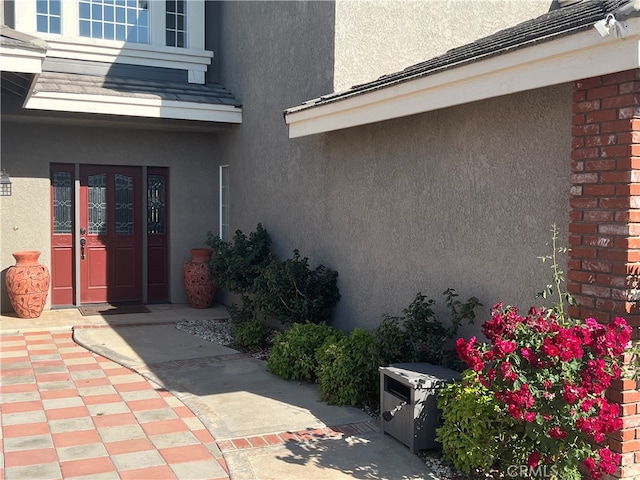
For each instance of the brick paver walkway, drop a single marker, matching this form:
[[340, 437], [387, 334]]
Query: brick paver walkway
[[68, 413]]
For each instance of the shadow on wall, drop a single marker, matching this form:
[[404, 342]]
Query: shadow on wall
[[5, 303]]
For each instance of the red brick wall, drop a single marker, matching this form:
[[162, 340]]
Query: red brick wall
[[604, 225]]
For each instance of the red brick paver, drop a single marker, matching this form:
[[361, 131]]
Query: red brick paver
[[63, 416], [301, 436]]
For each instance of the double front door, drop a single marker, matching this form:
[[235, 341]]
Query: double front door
[[100, 222]]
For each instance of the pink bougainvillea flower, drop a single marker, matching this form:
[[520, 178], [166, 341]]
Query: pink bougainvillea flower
[[552, 374], [534, 459], [504, 347], [507, 372], [557, 432]]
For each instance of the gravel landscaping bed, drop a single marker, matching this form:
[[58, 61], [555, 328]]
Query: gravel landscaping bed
[[218, 331]]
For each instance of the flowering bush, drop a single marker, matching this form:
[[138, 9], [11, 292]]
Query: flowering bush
[[551, 374]]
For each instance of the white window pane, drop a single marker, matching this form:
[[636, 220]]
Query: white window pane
[[85, 28], [143, 35], [85, 11], [109, 31], [120, 33], [96, 12], [54, 26], [43, 23], [96, 30]]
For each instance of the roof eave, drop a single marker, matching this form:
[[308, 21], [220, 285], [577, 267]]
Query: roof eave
[[581, 55], [23, 53], [133, 107], [21, 60]]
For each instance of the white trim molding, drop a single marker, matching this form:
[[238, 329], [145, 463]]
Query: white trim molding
[[566, 59], [223, 205], [25, 55], [133, 107], [20, 60], [105, 51]]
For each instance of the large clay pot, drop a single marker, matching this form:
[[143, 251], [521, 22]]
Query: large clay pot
[[28, 284], [199, 287]]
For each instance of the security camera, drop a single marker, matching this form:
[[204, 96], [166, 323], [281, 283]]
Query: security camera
[[609, 24], [602, 27]]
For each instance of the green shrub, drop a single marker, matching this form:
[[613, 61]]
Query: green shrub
[[473, 434], [288, 291], [250, 334], [291, 292], [427, 335], [419, 336], [235, 265], [347, 371], [390, 342], [242, 313], [293, 354]]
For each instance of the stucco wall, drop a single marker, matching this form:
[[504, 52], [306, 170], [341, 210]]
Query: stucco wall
[[460, 198], [375, 37], [27, 151]]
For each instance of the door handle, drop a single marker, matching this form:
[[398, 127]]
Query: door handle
[[83, 242]]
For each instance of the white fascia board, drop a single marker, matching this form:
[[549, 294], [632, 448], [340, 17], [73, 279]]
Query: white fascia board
[[20, 60], [128, 53], [565, 59], [133, 107]]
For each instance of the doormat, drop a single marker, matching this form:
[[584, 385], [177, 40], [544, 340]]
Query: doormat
[[111, 309]]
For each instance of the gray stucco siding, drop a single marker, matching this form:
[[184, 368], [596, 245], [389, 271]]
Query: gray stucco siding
[[463, 197]]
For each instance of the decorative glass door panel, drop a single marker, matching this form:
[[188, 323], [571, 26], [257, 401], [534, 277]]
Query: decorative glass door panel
[[97, 203], [62, 258], [157, 235], [110, 234]]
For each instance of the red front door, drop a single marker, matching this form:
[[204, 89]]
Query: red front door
[[110, 234]]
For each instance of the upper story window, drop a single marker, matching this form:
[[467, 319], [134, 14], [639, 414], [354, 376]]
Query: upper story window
[[176, 23], [48, 16], [123, 20], [156, 33], [172, 23]]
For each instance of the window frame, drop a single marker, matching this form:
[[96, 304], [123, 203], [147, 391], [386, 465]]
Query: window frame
[[70, 45], [49, 16], [176, 30], [223, 213], [97, 14]]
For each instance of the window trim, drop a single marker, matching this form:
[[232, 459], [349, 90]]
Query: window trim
[[69, 45], [223, 219]]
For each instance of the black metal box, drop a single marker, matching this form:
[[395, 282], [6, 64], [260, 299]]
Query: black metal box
[[408, 402]]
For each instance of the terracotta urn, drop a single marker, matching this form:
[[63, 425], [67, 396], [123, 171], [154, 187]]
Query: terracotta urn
[[28, 284], [199, 287]]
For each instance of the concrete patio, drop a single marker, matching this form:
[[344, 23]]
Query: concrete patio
[[240, 421]]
